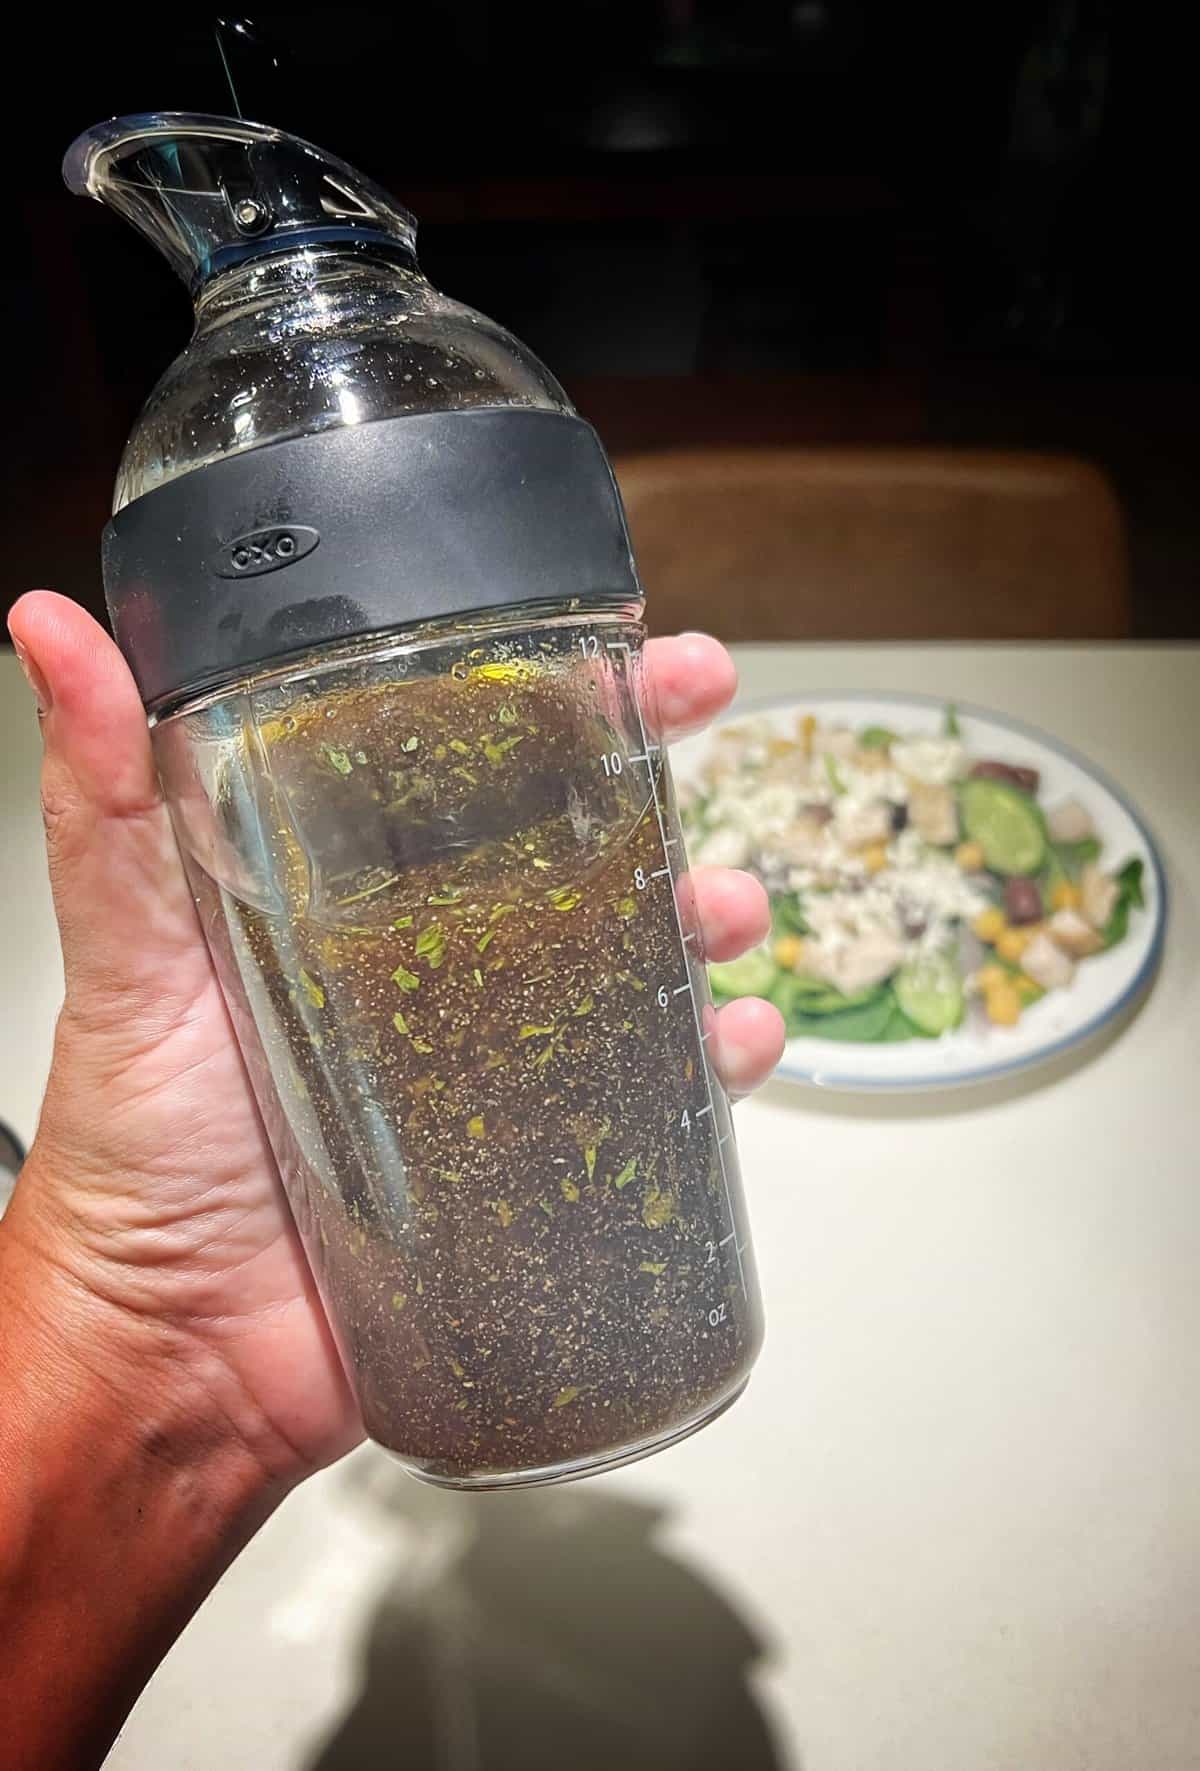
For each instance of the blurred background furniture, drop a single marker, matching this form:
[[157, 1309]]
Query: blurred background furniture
[[848, 543], [736, 224]]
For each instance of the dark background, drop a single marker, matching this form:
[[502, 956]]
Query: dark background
[[718, 220]]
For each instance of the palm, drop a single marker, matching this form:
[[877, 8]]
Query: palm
[[178, 1201]]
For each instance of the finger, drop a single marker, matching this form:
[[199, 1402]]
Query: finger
[[726, 908], [747, 1043], [125, 914], [688, 680]]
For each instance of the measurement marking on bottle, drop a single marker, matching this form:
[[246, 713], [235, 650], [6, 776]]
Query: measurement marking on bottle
[[732, 1237], [661, 873], [672, 842], [680, 988], [726, 1138], [623, 646], [704, 1110], [688, 938], [704, 1038]]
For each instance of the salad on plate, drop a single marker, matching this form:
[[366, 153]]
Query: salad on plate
[[912, 883]]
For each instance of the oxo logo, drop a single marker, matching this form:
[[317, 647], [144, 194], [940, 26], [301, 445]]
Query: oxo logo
[[265, 550]]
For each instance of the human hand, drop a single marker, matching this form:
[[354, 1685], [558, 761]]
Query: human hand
[[150, 1200]]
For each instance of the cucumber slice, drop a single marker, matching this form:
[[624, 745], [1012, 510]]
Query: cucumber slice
[[1005, 822], [930, 992], [751, 975]]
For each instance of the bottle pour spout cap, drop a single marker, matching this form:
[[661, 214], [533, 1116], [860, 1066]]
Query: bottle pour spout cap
[[214, 192], [340, 450]]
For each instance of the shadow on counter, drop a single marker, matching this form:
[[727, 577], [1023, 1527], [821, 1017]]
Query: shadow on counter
[[545, 1629]]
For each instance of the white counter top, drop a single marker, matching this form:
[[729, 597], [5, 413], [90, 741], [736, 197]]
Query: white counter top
[[957, 1514]]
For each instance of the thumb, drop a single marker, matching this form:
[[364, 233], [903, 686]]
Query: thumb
[[130, 938]]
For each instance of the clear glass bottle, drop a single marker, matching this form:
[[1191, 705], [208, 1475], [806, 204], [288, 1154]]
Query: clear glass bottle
[[370, 570]]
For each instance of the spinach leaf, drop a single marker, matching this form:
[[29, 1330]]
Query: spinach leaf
[[862, 1023], [950, 725], [787, 914], [1073, 857], [898, 1027], [1130, 896], [796, 993], [1052, 875]]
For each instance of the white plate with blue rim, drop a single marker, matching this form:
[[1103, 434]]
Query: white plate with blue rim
[[1105, 986]]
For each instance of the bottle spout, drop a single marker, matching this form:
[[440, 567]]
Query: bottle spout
[[213, 192]]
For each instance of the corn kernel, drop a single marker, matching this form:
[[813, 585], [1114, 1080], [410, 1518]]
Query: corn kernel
[[808, 727], [875, 858], [1066, 896], [990, 924], [988, 976], [1011, 943], [969, 856], [789, 951], [1003, 1004]]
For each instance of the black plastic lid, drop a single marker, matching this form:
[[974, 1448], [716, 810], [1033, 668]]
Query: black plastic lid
[[358, 530]]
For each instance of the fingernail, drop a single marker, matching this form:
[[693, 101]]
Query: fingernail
[[34, 677]]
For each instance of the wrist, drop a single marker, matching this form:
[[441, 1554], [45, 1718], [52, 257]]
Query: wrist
[[123, 1495]]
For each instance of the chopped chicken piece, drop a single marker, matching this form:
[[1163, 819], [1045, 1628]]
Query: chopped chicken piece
[[1047, 964], [856, 964], [834, 741], [1099, 894], [931, 761], [1069, 822], [725, 847], [1074, 934], [860, 825], [802, 844], [792, 768], [933, 814]]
